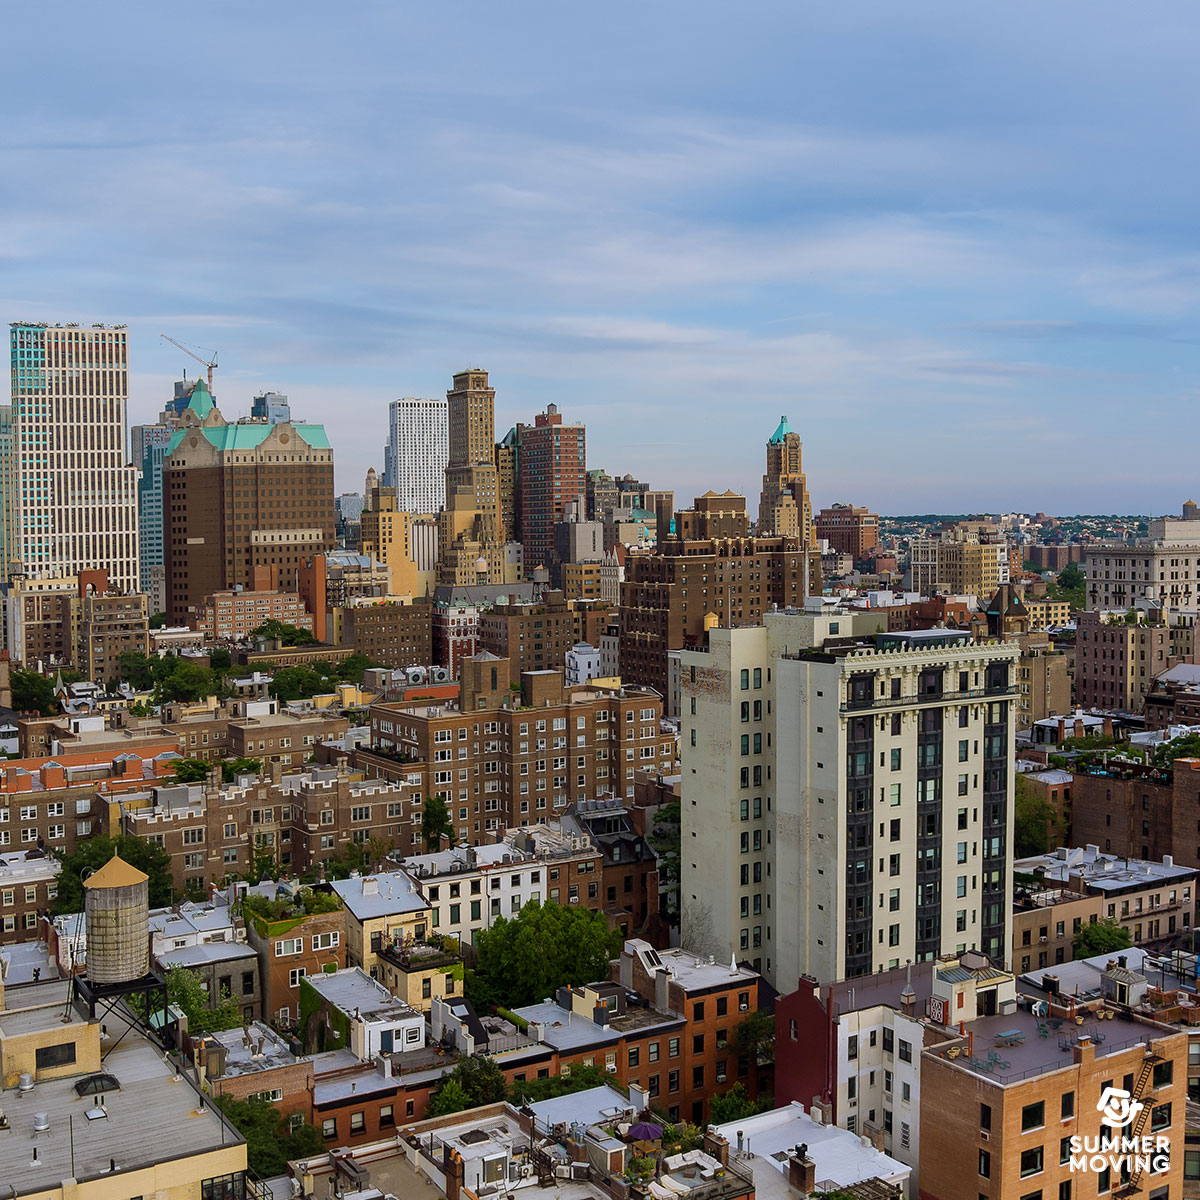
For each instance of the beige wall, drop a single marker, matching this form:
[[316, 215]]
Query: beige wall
[[19, 1053]]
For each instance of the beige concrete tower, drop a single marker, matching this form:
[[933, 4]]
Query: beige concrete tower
[[784, 508]]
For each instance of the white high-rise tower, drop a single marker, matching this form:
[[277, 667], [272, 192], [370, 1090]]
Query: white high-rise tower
[[74, 489], [416, 454]]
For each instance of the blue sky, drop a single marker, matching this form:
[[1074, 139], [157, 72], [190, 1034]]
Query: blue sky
[[956, 244]]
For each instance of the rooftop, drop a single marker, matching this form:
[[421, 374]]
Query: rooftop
[[28, 866], [382, 895], [153, 1116], [1102, 872], [254, 1048], [206, 952], [839, 1156], [354, 991]]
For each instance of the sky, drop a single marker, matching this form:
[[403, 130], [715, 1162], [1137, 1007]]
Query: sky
[[955, 244]]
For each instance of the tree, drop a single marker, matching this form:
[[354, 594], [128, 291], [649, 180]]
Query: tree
[[1071, 585], [271, 1141], [1187, 746], [733, 1105], [192, 770], [219, 659], [158, 621], [136, 669], [450, 1097], [475, 1080], [298, 683], [286, 635], [1101, 937], [32, 692], [91, 854], [188, 683], [580, 1079], [234, 767], [1033, 817], [696, 929], [754, 1037], [546, 946], [203, 1014], [664, 840], [435, 822]]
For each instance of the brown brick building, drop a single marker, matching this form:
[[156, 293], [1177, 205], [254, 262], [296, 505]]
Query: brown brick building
[[1116, 664], [667, 596], [506, 759], [848, 529], [241, 498], [552, 473], [391, 633], [234, 615], [536, 637]]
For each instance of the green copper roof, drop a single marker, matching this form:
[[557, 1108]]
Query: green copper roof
[[200, 401], [780, 433], [251, 434]]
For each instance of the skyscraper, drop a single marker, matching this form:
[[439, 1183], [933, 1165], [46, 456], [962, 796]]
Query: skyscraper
[[271, 407], [246, 503], [75, 492], [785, 509], [416, 454], [553, 473], [470, 526], [8, 497]]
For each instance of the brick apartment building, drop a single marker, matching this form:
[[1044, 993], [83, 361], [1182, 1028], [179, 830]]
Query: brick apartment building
[[667, 596], [1139, 812], [390, 633], [233, 616], [1116, 664], [504, 759], [210, 831], [536, 637], [28, 887], [848, 529], [290, 946]]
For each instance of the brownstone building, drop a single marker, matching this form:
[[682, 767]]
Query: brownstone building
[[239, 498], [506, 759], [536, 637], [391, 633], [848, 529], [667, 596]]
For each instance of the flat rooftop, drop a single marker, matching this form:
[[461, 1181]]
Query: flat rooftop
[[382, 895], [27, 866], [151, 1118], [839, 1156], [353, 990], [243, 1056], [1103, 872], [207, 952], [696, 973]]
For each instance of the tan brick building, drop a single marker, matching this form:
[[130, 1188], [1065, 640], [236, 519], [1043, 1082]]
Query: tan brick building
[[536, 637], [1117, 663], [391, 633], [505, 759], [848, 529]]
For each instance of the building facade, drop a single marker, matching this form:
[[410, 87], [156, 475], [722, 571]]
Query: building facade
[[553, 474], [847, 802], [848, 529], [1117, 662], [75, 491], [416, 454]]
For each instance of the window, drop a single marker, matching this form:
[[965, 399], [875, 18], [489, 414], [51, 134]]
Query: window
[[905, 1051], [985, 1164], [387, 1117], [1031, 1162], [46, 1057], [326, 941], [1068, 1104], [289, 946], [1033, 1116], [852, 1046], [329, 1128], [673, 1048], [358, 1122], [673, 1081], [295, 975]]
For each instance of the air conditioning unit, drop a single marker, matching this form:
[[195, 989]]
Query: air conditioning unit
[[1043, 940], [744, 1006], [574, 900], [985, 1134], [611, 1068], [720, 1078]]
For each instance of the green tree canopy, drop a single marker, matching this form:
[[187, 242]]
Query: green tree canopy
[[32, 692], [188, 683], [1101, 937], [287, 635], [220, 659], [233, 767], [1187, 746], [1071, 585], [546, 946], [192, 770], [735, 1105], [136, 669], [475, 1080], [754, 1036], [435, 822], [1033, 817], [92, 853], [204, 1014], [271, 1142]]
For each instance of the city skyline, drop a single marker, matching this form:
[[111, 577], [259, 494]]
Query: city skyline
[[945, 226]]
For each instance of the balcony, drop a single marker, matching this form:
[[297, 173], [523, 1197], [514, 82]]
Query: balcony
[[1008, 692]]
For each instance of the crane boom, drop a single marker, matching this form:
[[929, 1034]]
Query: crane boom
[[210, 363]]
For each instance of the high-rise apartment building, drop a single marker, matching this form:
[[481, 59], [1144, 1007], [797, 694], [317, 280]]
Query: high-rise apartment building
[[508, 464], [243, 500], [847, 799], [75, 492], [149, 450], [8, 496], [848, 529], [1116, 663], [416, 454], [553, 474], [784, 508]]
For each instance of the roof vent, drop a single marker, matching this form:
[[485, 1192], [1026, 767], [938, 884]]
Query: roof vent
[[41, 1122]]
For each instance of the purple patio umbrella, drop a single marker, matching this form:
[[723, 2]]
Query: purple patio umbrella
[[645, 1131]]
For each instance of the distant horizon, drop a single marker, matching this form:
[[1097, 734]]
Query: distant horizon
[[955, 245]]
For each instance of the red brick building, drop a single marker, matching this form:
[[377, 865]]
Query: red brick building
[[553, 472]]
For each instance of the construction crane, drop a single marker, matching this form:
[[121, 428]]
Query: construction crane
[[210, 363]]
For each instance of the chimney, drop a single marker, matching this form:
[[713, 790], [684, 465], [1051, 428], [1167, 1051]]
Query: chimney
[[802, 1171], [717, 1147]]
